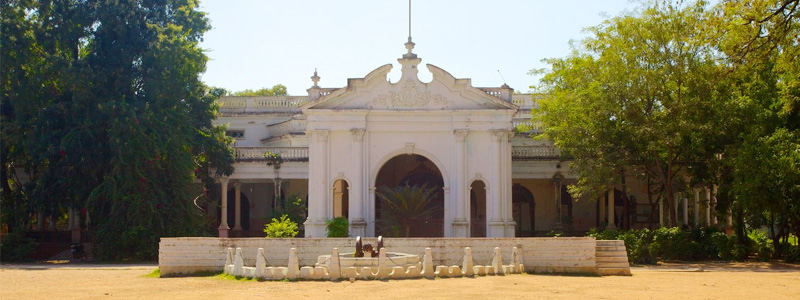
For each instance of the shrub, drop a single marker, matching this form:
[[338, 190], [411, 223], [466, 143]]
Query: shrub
[[793, 254], [337, 227], [283, 228], [16, 247]]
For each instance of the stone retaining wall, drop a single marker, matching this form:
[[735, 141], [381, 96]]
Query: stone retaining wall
[[186, 255]]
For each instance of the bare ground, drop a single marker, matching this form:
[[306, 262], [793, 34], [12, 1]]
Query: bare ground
[[666, 281]]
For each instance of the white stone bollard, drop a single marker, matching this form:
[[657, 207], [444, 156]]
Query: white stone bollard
[[497, 261], [294, 265], [468, 266], [261, 263], [383, 269], [238, 262], [228, 267], [427, 264], [334, 269]]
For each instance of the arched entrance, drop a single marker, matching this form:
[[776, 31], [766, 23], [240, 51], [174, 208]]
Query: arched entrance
[[524, 210], [410, 170], [341, 196], [477, 209]]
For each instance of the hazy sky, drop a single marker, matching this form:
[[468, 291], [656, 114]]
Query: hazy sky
[[260, 43]]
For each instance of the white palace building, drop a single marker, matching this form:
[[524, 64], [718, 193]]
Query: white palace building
[[340, 144]]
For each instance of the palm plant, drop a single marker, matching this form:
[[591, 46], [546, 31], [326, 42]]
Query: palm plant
[[404, 205]]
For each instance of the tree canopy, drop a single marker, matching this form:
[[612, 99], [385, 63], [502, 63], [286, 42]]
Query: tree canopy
[[276, 90], [103, 111], [679, 94]]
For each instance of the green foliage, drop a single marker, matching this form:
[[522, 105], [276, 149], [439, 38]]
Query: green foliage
[[646, 246], [293, 206], [274, 160], [793, 255], [16, 247], [109, 94], [554, 233], [404, 206], [276, 90], [283, 228], [337, 227]]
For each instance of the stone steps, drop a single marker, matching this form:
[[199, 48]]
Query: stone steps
[[612, 258]]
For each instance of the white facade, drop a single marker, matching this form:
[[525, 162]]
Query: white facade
[[464, 131], [495, 180]]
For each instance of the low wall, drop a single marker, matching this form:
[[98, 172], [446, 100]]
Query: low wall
[[186, 255]]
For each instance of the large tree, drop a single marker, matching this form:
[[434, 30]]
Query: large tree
[[634, 99], [104, 111]]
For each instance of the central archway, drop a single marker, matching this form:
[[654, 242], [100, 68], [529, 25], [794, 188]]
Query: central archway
[[411, 170]]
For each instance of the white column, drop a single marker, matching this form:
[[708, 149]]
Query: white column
[[356, 196], [496, 225], [511, 225], [318, 196], [237, 206], [223, 225], [371, 212], [460, 188], [611, 207], [696, 207]]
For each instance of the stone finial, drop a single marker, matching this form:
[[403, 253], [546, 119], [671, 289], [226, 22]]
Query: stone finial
[[409, 47], [261, 263], [315, 79], [497, 261], [334, 269], [238, 263]]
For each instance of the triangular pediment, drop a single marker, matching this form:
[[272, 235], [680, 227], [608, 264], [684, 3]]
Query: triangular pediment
[[375, 92]]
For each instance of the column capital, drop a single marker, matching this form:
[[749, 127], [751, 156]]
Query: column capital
[[321, 134], [497, 134], [460, 134], [358, 134], [510, 134], [223, 180], [237, 185]]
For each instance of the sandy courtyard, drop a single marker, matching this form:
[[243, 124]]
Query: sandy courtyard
[[670, 281]]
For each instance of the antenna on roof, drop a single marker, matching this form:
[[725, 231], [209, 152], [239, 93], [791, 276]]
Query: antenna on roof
[[409, 45], [501, 76], [409, 20]]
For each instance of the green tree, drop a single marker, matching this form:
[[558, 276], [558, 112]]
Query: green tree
[[108, 114], [276, 90], [405, 206], [634, 98]]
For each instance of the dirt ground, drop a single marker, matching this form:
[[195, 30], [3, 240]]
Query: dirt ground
[[666, 281]]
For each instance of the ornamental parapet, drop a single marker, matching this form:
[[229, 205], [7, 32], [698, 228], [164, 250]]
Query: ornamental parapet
[[255, 104], [250, 154], [300, 154]]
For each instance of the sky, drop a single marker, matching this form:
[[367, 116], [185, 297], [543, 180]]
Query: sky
[[261, 43]]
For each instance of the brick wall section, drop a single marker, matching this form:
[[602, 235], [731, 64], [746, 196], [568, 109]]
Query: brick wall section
[[187, 255]]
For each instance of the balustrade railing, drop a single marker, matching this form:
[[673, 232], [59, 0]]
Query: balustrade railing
[[301, 153], [526, 101], [257, 153], [265, 103], [534, 152]]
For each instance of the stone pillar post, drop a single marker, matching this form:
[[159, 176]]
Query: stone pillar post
[[511, 225], [356, 196], [496, 224], [371, 212], [318, 196], [714, 191], [557, 178], [223, 225], [611, 206], [696, 207], [685, 210], [461, 190], [75, 225], [237, 206], [708, 206], [661, 212]]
